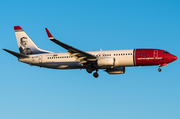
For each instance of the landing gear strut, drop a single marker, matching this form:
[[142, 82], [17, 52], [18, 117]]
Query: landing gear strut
[[95, 74], [159, 69]]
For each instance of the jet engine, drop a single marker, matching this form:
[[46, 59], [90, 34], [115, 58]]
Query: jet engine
[[116, 70], [106, 62]]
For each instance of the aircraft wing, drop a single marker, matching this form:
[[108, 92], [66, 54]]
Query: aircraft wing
[[79, 55]]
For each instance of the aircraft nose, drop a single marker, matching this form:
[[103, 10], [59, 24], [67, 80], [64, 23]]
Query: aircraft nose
[[174, 57]]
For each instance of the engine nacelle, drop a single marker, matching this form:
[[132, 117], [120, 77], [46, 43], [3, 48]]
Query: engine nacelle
[[106, 62], [116, 70]]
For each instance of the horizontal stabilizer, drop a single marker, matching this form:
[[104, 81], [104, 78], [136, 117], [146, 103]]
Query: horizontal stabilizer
[[18, 55]]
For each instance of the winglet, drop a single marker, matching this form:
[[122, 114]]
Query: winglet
[[17, 28], [49, 34]]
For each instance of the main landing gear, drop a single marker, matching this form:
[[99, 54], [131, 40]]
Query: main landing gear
[[95, 74], [89, 70]]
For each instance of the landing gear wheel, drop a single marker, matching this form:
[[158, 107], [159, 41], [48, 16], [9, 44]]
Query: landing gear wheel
[[95, 74], [89, 70], [159, 69]]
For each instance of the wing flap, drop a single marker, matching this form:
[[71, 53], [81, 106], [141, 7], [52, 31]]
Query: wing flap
[[79, 55]]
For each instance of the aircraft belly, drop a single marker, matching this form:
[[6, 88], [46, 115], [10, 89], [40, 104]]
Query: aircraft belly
[[62, 65]]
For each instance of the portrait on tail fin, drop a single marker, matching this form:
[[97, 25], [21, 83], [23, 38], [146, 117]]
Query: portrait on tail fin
[[23, 48]]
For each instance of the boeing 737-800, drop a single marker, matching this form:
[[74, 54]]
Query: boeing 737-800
[[112, 61]]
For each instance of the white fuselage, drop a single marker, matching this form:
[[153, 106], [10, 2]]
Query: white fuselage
[[113, 61], [65, 61]]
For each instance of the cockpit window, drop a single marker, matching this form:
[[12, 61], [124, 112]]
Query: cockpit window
[[166, 53]]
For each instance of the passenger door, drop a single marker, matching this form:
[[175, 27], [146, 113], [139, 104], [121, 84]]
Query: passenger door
[[40, 58], [155, 53]]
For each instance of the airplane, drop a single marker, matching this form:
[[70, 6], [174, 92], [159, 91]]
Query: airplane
[[111, 61]]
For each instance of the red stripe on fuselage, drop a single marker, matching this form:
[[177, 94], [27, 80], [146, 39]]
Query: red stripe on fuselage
[[152, 57]]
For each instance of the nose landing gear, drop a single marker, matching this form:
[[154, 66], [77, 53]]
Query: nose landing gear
[[159, 69], [161, 65]]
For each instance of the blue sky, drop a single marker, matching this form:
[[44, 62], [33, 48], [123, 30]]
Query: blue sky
[[141, 93]]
